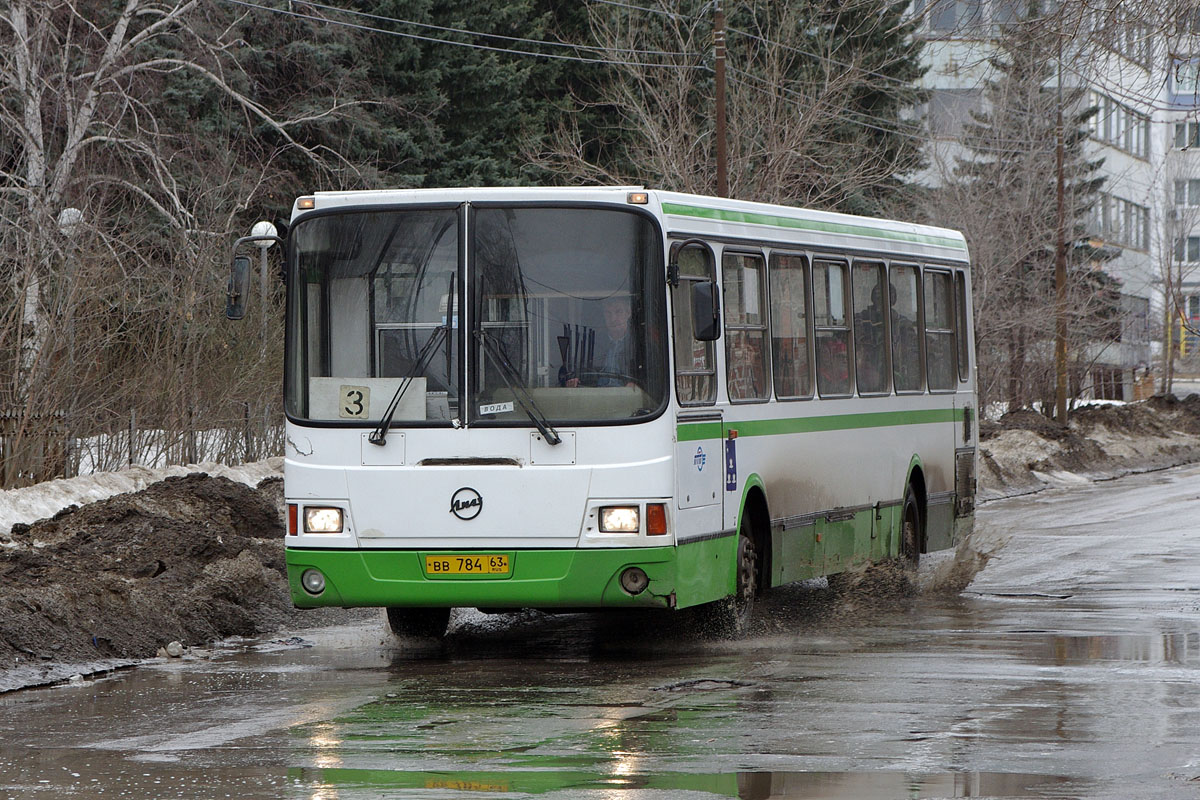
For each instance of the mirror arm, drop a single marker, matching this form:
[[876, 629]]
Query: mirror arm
[[673, 259]]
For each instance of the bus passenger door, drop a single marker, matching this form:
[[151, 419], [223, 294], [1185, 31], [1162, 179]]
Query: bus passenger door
[[699, 475], [695, 325]]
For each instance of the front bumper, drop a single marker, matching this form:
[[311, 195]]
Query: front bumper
[[575, 578]]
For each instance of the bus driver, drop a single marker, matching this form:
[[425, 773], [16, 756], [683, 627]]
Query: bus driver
[[614, 361]]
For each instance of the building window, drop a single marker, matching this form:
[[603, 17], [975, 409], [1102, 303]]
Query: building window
[[1187, 192], [1187, 249], [1185, 78], [1120, 126], [949, 109], [1187, 134], [949, 15], [1124, 223]]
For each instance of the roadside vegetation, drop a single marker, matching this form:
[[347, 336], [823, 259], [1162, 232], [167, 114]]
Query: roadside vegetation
[[139, 138]]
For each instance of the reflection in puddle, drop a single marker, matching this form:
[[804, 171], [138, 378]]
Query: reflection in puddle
[[745, 785], [1150, 648]]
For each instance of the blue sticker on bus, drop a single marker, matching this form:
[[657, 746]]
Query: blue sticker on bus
[[699, 459], [730, 465]]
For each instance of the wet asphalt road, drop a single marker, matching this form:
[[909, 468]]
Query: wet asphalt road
[[1067, 669]]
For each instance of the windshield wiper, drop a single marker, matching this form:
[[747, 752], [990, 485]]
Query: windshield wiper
[[379, 435], [508, 372]]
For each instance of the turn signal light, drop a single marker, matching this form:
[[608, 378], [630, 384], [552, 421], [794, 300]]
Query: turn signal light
[[656, 519], [292, 519]]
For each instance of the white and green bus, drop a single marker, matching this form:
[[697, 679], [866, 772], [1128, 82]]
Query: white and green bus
[[612, 398]]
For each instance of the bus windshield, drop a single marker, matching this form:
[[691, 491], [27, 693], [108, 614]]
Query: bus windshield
[[560, 314]]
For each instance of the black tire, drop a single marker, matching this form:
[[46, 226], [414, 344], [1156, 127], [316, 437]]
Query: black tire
[[912, 530], [729, 617], [419, 622]]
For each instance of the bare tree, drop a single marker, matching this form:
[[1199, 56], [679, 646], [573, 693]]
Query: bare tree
[[797, 131], [114, 217], [1002, 194]]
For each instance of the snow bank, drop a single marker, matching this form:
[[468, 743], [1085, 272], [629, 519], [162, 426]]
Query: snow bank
[[47, 499]]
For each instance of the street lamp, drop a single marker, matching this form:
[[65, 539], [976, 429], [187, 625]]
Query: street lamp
[[69, 220]]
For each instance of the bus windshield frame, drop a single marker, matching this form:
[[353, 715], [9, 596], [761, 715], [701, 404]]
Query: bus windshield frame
[[485, 315]]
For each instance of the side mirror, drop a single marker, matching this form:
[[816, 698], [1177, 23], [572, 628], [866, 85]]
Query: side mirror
[[239, 288], [706, 311]]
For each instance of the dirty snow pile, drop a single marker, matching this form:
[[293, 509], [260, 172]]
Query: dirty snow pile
[[193, 558], [1026, 452], [47, 499]]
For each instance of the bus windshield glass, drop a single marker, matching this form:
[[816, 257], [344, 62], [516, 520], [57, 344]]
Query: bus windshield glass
[[371, 308], [559, 311], [569, 316]]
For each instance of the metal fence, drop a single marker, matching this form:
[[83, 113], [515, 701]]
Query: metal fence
[[42, 447]]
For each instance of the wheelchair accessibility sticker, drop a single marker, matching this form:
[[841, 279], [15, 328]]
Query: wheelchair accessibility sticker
[[730, 465]]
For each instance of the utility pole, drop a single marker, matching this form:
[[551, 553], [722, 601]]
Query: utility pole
[[1060, 262], [719, 73]]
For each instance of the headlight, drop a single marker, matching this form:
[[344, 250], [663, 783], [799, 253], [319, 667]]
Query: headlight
[[619, 519], [322, 520]]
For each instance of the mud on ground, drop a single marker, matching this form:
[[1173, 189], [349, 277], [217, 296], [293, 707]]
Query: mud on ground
[[1026, 452], [191, 559]]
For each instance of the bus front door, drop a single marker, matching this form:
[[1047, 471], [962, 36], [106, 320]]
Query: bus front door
[[699, 476]]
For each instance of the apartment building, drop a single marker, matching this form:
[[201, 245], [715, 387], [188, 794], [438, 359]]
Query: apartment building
[[1133, 233]]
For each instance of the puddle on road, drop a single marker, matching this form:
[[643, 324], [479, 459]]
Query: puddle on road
[[746, 785]]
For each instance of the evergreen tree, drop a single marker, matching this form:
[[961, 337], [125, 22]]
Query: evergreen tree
[[878, 38]]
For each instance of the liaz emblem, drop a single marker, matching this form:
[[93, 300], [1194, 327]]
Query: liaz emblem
[[699, 459], [466, 503]]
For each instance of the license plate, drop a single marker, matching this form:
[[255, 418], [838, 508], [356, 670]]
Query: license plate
[[480, 564]]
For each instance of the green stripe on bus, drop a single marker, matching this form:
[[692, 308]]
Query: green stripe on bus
[[699, 430], [728, 215], [828, 422]]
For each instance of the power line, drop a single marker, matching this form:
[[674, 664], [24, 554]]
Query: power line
[[660, 12], [469, 45], [443, 28], [819, 57]]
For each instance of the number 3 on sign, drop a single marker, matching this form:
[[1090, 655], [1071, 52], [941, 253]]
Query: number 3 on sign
[[356, 401]]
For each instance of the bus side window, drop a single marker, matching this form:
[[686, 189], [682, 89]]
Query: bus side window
[[871, 303], [832, 328], [939, 330], [695, 361], [745, 326], [962, 307], [906, 338], [789, 326]]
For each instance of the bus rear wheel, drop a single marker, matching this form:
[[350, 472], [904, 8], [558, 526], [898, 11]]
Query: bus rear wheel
[[419, 622], [910, 530]]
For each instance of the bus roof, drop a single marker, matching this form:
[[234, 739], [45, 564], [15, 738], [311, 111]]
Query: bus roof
[[700, 215]]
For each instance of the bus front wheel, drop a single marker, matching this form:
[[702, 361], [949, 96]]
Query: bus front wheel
[[729, 617], [422, 622]]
